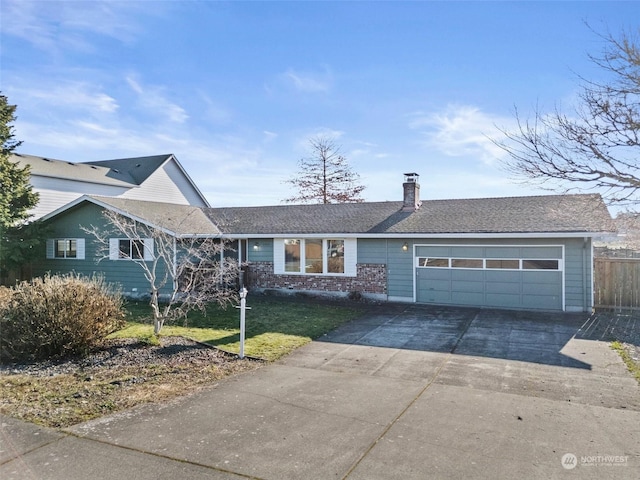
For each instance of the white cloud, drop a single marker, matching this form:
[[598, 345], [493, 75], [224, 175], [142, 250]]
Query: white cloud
[[308, 82], [269, 136], [461, 130], [214, 112], [54, 26], [68, 95], [153, 99]]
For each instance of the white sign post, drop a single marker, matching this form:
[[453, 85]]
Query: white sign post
[[243, 307]]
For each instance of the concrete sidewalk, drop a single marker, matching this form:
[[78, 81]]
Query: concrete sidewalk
[[416, 392]]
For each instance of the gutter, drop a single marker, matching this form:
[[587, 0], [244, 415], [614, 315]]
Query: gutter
[[416, 235]]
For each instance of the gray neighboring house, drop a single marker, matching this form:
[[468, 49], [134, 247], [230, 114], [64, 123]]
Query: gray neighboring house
[[516, 253], [154, 178]]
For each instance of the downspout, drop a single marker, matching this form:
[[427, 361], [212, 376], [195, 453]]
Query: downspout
[[240, 271], [221, 260], [386, 261], [174, 267], [585, 273]]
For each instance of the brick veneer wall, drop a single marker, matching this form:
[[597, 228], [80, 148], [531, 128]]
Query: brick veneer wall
[[371, 278]]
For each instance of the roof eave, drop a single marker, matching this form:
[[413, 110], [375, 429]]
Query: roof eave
[[107, 206], [483, 235], [117, 183]]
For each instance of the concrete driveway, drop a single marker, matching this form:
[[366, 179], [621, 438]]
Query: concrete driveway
[[404, 392]]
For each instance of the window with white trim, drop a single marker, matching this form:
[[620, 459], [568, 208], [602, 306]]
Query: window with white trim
[[490, 263], [131, 249], [65, 248], [316, 256]]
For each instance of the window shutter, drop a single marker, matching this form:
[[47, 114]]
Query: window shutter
[[50, 248], [114, 249], [148, 249], [80, 248], [350, 257], [278, 255]]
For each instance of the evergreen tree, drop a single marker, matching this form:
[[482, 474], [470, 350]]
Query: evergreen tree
[[16, 195], [18, 239]]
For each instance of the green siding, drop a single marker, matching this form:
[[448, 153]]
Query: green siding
[[126, 274], [577, 265]]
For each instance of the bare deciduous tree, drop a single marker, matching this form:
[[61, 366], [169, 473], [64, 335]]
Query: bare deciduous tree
[[193, 272], [595, 146], [325, 176]]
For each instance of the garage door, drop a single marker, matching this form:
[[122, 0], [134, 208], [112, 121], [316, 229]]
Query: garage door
[[528, 277]]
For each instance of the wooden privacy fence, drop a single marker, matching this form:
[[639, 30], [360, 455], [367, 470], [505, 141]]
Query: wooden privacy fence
[[616, 283]]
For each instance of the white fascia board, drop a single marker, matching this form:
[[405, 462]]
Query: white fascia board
[[113, 183], [494, 235], [418, 235], [206, 235]]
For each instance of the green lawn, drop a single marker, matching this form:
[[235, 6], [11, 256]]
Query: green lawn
[[274, 326]]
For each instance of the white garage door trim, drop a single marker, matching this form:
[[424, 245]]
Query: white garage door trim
[[479, 262]]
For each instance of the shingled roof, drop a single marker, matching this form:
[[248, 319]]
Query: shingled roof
[[552, 214], [180, 220], [137, 168], [123, 172], [560, 214]]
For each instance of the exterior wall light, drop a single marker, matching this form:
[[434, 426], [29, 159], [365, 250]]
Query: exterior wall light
[[256, 246], [405, 246]]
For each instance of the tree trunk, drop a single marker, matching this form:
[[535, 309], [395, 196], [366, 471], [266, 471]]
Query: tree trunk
[[158, 320]]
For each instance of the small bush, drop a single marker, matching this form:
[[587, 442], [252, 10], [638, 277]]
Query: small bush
[[5, 296], [58, 316]]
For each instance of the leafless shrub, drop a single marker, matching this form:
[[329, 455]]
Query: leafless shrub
[[58, 316], [184, 273]]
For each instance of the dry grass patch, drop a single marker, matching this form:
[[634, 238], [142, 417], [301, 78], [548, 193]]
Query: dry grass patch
[[135, 367], [129, 374]]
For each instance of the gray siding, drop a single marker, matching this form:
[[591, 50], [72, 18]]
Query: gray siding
[[264, 252], [126, 274], [578, 274], [399, 263], [577, 263]]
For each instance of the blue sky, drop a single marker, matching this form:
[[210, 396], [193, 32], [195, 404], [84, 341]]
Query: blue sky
[[236, 89]]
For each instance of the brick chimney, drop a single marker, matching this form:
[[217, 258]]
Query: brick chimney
[[411, 193]]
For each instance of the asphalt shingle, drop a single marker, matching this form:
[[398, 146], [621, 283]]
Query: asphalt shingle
[[181, 220], [123, 172], [535, 214]]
